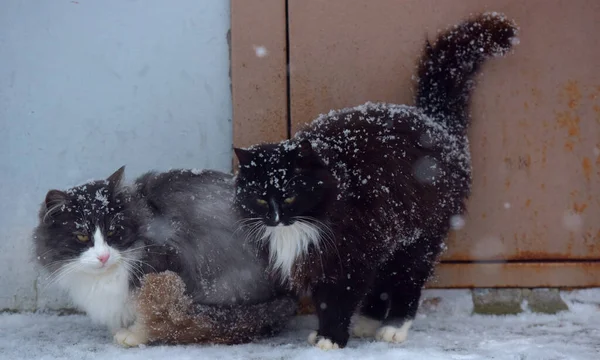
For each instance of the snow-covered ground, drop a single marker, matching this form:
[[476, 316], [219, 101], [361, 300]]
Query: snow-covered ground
[[444, 330]]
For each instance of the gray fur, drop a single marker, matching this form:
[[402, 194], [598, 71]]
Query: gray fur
[[178, 220], [192, 212]]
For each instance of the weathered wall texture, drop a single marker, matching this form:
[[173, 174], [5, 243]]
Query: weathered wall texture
[[87, 86]]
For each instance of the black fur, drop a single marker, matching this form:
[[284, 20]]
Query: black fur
[[380, 181]]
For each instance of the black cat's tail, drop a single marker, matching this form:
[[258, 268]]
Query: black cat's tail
[[169, 315], [447, 68]]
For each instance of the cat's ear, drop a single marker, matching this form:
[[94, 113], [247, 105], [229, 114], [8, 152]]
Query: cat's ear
[[244, 156], [116, 179], [55, 199], [306, 157]]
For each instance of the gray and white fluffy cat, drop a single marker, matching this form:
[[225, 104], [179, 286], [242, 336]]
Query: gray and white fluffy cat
[[99, 239]]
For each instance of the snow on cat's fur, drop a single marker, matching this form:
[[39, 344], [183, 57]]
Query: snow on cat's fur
[[378, 184], [99, 239]]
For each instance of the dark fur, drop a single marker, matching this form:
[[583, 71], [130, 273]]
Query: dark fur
[[78, 211], [381, 181], [180, 221]]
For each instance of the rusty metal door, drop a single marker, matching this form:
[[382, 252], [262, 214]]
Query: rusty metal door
[[534, 216]]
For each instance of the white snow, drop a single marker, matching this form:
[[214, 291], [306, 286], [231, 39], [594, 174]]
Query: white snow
[[442, 331], [457, 222], [260, 51]]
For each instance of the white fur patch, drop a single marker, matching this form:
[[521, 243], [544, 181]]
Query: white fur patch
[[323, 343], [101, 290], [364, 326], [393, 334], [289, 243], [135, 335]]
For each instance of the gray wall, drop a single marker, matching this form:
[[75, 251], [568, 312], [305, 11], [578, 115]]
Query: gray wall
[[87, 86]]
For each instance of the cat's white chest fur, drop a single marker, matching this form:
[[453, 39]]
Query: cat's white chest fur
[[289, 243], [98, 282], [106, 298]]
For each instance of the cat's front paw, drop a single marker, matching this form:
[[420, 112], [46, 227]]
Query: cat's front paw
[[393, 334], [321, 342], [129, 338]]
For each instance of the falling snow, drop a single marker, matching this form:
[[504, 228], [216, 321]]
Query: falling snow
[[457, 222], [260, 51]]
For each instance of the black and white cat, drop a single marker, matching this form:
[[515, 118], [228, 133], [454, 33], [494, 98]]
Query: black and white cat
[[99, 239], [355, 208]]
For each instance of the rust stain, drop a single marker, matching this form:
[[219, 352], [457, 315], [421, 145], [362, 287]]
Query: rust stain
[[579, 208], [574, 193], [597, 111], [586, 164], [569, 145], [526, 105], [483, 215], [544, 152], [538, 255], [527, 202], [591, 242], [566, 119], [569, 119], [543, 186], [507, 184], [573, 94]]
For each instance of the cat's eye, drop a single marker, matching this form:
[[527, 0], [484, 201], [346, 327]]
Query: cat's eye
[[82, 238], [110, 233], [289, 200], [261, 202]]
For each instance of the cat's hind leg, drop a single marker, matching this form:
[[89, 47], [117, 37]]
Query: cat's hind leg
[[405, 302], [407, 274], [373, 312]]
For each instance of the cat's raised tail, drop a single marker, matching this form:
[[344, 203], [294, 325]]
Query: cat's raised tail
[[169, 316], [447, 67]]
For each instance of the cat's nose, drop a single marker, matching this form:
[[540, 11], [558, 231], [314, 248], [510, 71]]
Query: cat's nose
[[104, 258]]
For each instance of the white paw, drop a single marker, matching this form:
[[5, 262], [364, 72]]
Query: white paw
[[393, 334], [322, 343], [312, 338], [128, 338], [364, 326]]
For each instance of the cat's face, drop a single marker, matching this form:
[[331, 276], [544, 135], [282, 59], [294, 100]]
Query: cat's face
[[282, 184], [86, 228]]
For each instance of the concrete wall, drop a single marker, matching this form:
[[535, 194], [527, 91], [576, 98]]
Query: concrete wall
[[87, 86]]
